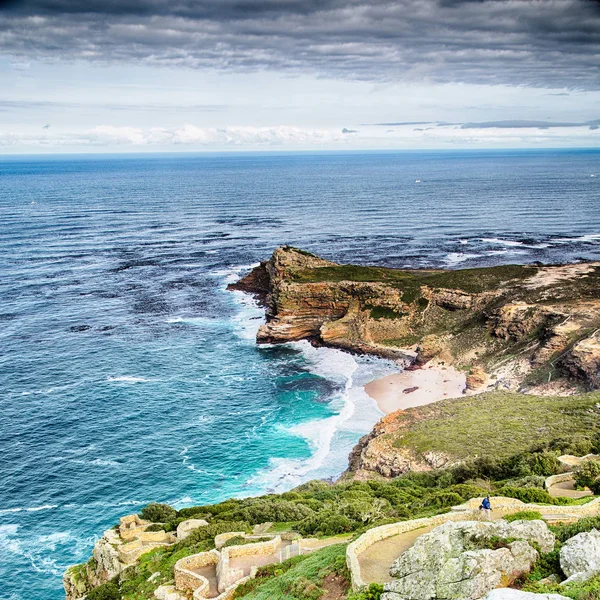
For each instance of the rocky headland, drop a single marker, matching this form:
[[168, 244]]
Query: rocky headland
[[514, 330]]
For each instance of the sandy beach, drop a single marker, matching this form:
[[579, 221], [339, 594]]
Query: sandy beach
[[416, 387]]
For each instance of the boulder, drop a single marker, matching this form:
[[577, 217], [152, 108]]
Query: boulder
[[106, 555], [580, 556], [476, 378], [446, 562], [509, 594], [186, 527]]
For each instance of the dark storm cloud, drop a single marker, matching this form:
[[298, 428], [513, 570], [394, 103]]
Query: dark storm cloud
[[549, 43]]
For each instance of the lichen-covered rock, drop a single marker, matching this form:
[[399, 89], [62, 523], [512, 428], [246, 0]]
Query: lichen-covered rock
[[446, 562], [186, 527], [580, 556], [106, 557], [510, 594]]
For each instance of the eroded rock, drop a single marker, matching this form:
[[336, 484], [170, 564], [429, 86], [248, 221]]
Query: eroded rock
[[580, 556], [451, 562]]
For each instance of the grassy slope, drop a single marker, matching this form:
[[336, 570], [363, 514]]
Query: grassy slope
[[468, 280], [497, 424]]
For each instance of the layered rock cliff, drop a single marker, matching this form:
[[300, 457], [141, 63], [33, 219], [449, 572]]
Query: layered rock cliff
[[520, 327]]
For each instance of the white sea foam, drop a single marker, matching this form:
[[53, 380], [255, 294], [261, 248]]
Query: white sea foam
[[514, 243], [454, 258], [330, 439], [29, 509], [128, 379]]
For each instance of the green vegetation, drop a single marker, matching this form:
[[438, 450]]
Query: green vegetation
[[467, 280], [564, 532], [383, 312], [524, 515], [588, 475], [499, 424], [106, 591], [301, 577], [588, 590], [158, 513]]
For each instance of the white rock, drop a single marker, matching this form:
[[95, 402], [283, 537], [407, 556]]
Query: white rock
[[508, 594], [581, 554], [186, 527], [440, 564]]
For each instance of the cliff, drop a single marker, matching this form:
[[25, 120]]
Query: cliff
[[528, 328]]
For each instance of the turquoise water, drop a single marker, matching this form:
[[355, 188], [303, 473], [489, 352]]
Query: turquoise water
[[130, 374]]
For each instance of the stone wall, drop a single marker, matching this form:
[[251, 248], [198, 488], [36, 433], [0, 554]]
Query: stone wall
[[187, 580], [131, 526], [458, 513], [554, 479], [227, 576], [222, 538], [377, 534]]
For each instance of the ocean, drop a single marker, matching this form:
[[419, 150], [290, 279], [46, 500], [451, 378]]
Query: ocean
[[129, 373]]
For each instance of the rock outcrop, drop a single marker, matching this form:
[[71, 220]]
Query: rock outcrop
[[510, 594], [452, 562], [580, 556], [544, 321]]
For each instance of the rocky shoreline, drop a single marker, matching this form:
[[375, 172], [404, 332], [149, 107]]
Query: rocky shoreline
[[528, 329]]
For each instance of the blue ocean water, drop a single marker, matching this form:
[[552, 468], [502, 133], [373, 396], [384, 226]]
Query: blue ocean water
[[129, 374]]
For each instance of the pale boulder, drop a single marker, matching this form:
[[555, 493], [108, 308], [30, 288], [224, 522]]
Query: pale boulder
[[508, 594], [186, 527], [445, 563], [580, 556]]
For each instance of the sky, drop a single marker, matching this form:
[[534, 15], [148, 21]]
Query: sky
[[219, 75]]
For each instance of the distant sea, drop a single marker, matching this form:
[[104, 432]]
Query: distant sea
[[129, 374]]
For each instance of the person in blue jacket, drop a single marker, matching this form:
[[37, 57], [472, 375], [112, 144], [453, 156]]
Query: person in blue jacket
[[486, 507]]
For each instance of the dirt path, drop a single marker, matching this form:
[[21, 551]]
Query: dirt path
[[376, 560], [210, 573], [566, 489]]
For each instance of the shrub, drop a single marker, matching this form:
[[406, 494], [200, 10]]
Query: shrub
[[530, 481], [443, 499], [373, 592], [158, 513], [524, 515], [106, 591], [266, 509], [327, 522], [564, 532], [528, 495], [208, 532], [588, 474]]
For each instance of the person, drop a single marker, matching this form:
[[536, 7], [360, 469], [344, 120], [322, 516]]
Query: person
[[486, 507]]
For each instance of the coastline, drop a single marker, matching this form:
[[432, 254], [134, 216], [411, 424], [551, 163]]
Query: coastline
[[416, 387]]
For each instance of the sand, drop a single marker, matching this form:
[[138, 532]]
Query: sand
[[432, 383]]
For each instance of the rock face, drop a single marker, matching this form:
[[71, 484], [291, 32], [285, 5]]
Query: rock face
[[583, 360], [452, 563], [580, 556], [509, 594], [460, 316]]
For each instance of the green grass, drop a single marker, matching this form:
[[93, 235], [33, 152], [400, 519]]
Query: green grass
[[496, 424], [524, 515], [300, 577], [467, 280]]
